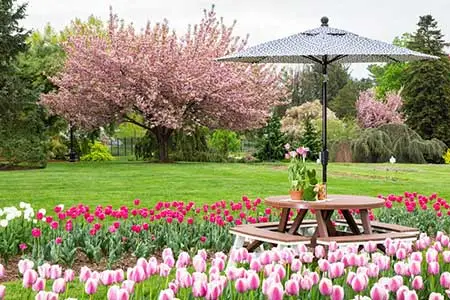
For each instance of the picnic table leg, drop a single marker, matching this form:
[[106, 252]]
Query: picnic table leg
[[351, 222], [298, 221], [321, 224], [327, 217], [365, 221], [254, 245], [284, 220]]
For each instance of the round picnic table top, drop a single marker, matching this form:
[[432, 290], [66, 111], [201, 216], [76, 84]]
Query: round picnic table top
[[333, 202]]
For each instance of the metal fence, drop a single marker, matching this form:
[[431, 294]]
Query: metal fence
[[123, 146]]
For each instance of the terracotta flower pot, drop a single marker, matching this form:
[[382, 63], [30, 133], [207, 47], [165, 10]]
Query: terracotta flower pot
[[296, 195]]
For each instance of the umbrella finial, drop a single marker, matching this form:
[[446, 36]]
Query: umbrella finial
[[324, 21]]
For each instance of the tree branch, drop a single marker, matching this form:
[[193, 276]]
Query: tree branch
[[133, 121]]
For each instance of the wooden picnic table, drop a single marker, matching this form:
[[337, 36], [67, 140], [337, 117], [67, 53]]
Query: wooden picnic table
[[323, 210]]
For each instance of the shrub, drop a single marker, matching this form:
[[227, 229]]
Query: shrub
[[292, 123], [98, 152], [372, 113], [57, 148], [311, 139], [224, 141], [378, 144], [447, 157], [26, 152], [271, 141]]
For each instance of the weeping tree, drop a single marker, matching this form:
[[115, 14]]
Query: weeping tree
[[398, 140], [171, 82]]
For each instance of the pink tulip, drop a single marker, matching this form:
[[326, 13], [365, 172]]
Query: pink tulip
[[373, 270], [29, 277], [199, 264], [292, 287], [164, 270], [166, 294], [186, 280], [446, 256], [395, 283], [296, 265], [199, 288], [275, 292], [170, 261], [137, 274], [256, 265], [128, 285], [220, 263], [214, 290], [55, 272], [319, 251], [118, 276], [416, 256], [314, 277], [241, 285], [91, 286], [116, 293], [252, 280], [107, 277], [25, 264], [325, 286], [433, 268], [306, 283], [417, 283], [336, 270], [359, 283], [410, 295], [431, 255], [183, 260], [337, 293], [378, 292], [2, 291], [59, 286], [39, 285], [69, 275], [280, 270], [2, 271], [444, 280], [265, 258], [401, 254], [324, 265], [436, 296], [445, 240], [332, 246], [370, 247], [166, 252], [41, 295], [414, 268], [85, 274], [52, 296], [401, 292]]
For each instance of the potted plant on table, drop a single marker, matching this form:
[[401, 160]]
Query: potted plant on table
[[301, 179]]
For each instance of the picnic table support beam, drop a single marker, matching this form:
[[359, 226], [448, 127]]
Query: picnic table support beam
[[365, 219], [298, 221], [284, 218], [321, 224], [351, 222]]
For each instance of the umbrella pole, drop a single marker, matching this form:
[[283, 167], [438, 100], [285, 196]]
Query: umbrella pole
[[324, 154]]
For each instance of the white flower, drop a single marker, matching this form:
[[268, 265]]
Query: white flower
[[318, 161], [28, 213], [44, 219], [4, 223], [10, 217], [34, 221], [22, 204], [1, 212], [392, 160], [42, 211], [61, 206]]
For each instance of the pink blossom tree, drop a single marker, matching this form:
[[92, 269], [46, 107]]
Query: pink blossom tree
[[373, 113], [161, 81]]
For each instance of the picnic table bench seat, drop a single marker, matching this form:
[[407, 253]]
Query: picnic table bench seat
[[381, 227], [253, 232], [378, 238]]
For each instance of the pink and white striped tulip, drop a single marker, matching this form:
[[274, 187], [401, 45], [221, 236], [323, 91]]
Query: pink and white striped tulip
[[325, 286], [59, 286], [378, 292], [39, 285], [199, 288], [29, 278], [337, 293], [91, 286], [166, 294], [436, 296], [69, 275], [444, 280], [417, 283], [252, 280], [275, 292], [128, 285], [292, 287], [25, 264]]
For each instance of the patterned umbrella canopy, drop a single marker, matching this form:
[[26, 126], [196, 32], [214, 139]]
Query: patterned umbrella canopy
[[325, 45]]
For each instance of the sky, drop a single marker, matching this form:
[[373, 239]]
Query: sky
[[263, 20]]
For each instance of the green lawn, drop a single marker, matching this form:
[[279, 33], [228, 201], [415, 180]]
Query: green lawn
[[120, 182]]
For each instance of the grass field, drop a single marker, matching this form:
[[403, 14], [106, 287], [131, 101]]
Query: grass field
[[120, 182]]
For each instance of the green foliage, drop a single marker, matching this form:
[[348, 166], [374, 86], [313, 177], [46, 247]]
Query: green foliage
[[224, 141], [311, 139], [146, 147], [379, 144], [339, 130], [446, 157], [98, 152], [271, 141], [427, 88], [58, 147], [309, 194], [343, 104]]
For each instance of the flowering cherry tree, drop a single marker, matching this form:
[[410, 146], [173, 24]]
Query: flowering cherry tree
[[373, 113], [161, 81]]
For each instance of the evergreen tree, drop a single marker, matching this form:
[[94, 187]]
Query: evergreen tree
[[271, 141], [311, 139], [427, 88], [343, 104], [21, 126]]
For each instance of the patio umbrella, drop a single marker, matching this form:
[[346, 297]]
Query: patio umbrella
[[325, 45]]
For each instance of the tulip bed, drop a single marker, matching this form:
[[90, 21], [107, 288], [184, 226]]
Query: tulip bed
[[407, 271]]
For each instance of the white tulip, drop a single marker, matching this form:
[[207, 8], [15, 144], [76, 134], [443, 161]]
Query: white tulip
[[42, 211], [3, 223], [22, 204], [34, 221], [392, 160]]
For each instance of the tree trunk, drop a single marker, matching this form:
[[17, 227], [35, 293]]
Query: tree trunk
[[162, 137]]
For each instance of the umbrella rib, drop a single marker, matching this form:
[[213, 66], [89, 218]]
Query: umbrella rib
[[395, 60], [314, 59], [336, 58]]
